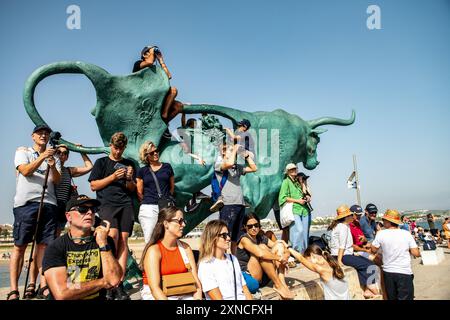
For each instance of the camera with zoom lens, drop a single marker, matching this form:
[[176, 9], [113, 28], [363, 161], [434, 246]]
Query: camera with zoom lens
[[54, 138], [308, 204], [156, 50]]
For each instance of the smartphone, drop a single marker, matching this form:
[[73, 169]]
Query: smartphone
[[119, 165]]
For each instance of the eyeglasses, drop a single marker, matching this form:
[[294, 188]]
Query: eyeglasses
[[251, 226], [83, 209], [179, 221], [62, 152], [225, 235]]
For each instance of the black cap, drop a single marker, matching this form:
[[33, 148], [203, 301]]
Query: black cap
[[371, 208], [79, 200], [42, 127], [244, 122], [301, 174], [356, 209]]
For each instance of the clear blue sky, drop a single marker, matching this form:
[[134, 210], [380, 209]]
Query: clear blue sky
[[311, 58]]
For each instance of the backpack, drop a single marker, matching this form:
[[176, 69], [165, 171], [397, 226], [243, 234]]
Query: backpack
[[321, 241], [429, 245]]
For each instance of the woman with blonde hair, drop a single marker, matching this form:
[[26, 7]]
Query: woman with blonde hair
[[165, 255], [219, 273], [153, 176]]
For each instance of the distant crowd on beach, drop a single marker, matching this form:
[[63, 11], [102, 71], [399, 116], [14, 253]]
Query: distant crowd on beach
[[236, 257]]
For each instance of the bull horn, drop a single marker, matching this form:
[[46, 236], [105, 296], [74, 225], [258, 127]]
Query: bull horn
[[329, 120], [96, 75]]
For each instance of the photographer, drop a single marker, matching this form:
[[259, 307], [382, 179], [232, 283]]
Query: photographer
[[113, 178], [81, 263], [31, 164], [171, 106]]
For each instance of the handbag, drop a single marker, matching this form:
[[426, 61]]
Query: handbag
[[179, 283], [163, 201], [287, 213]]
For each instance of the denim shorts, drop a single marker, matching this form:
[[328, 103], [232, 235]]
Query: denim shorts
[[25, 218], [233, 215]]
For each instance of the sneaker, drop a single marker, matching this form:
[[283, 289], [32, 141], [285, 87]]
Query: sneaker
[[201, 196], [121, 294], [110, 294], [192, 206], [217, 206], [257, 295]]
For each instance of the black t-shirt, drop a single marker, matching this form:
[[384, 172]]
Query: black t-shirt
[[163, 175], [115, 194], [243, 255], [137, 66], [83, 261]]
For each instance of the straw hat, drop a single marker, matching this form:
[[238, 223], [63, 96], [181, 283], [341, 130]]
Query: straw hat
[[392, 216], [342, 212], [289, 167]]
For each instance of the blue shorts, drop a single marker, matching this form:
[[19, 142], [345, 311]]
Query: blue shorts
[[233, 215], [253, 285], [25, 218]]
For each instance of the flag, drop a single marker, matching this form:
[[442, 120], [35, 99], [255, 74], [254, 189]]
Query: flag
[[352, 184]]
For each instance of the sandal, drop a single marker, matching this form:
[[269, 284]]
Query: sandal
[[14, 292], [30, 292], [40, 293]]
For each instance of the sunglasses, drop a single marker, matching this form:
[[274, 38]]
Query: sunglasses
[[225, 235], [83, 209], [62, 152], [179, 221], [251, 226], [151, 153]]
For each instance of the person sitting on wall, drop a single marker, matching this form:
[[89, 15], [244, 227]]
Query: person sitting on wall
[[261, 259]]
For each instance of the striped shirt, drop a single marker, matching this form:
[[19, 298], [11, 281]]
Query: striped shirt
[[63, 188]]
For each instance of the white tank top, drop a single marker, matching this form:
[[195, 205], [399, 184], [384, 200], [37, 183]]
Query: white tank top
[[335, 289]]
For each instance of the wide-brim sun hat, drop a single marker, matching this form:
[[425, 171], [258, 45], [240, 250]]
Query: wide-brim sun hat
[[342, 212], [290, 166], [392, 216]]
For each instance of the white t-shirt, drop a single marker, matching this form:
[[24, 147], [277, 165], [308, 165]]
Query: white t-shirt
[[395, 244], [216, 273], [341, 238], [30, 188]]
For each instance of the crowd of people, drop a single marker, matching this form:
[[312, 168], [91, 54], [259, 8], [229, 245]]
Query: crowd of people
[[236, 257]]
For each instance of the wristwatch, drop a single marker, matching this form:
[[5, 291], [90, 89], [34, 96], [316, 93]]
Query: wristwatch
[[105, 248]]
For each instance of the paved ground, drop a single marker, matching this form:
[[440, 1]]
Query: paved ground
[[431, 282]]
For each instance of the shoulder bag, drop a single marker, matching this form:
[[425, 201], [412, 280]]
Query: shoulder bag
[[287, 211], [163, 201], [179, 283]]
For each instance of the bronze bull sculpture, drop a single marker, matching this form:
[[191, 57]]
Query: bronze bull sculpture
[[132, 104]]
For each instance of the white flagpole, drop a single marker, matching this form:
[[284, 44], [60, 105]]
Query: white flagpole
[[357, 181]]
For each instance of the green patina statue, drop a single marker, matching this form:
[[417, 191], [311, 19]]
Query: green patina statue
[[132, 104]]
